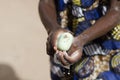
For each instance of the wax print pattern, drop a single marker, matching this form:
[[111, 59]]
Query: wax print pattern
[[82, 14]]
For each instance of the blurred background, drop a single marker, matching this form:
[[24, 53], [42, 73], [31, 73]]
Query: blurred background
[[22, 41]]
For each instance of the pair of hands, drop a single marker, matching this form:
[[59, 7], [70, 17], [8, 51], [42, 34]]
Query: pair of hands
[[69, 57], [75, 52]]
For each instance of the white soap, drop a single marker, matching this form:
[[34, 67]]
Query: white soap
[[64, 41]]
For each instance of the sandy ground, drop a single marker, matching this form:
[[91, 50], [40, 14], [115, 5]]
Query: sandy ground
[[22, 42]]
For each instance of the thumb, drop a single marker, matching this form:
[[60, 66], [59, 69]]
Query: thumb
[[74, 57]]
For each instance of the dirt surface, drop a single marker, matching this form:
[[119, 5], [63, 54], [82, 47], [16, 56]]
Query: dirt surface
[[22, 41]]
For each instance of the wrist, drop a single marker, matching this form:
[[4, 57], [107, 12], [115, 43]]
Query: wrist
[[83, 39], [55, 27]]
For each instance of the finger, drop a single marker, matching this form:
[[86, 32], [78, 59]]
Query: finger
[[61, 58], [70, 59], [55, 48], [71, 50], [54, 37], [74, 57], [75, 46]]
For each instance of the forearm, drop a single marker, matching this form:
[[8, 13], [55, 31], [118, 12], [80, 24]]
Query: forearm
[[48, 16], [101, 27]]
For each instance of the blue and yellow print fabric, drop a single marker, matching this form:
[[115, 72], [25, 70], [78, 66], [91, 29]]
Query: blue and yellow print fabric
[[85, 13]]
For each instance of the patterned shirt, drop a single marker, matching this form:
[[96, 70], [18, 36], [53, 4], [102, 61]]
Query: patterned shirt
[[79, 15]]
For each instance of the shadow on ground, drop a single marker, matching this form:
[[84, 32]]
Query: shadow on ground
[[7, 73]]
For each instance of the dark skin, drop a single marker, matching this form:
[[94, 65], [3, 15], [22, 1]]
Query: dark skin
[[106, 23]]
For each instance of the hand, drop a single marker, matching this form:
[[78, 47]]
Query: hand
[[73, 55], [75, 52]]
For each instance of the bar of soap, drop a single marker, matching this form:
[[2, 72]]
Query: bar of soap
[[64, 41]]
